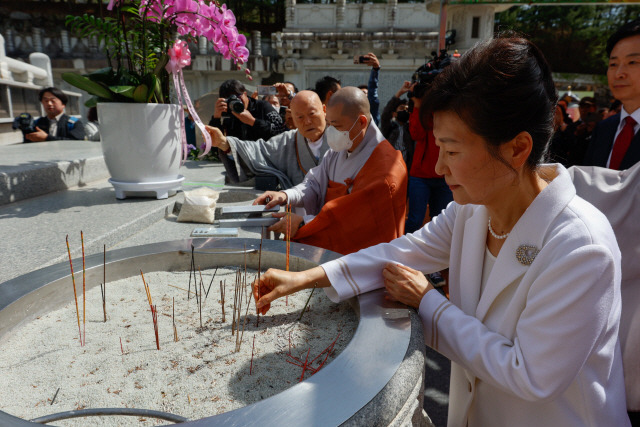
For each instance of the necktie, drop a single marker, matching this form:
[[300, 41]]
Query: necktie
[[623, 141]]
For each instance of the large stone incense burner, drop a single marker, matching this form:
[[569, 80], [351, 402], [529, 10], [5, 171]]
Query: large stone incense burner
[[376, 380]]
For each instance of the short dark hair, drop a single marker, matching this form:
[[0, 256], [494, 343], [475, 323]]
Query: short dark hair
[[499, 88], [326, 84], [231, 87], [629, 29], [55, 92], [587, 101], [295, 88]]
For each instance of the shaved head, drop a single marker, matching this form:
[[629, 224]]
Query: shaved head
[[305, 99], [352, 101], [308, 114]]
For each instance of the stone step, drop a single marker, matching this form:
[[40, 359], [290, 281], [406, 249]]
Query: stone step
[[32, 170]]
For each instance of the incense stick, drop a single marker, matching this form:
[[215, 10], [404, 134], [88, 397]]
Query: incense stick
[[210, 283], [173, 318], [306, 303], [84, 299], [154, 312], [259, 270], [222, 292], [192, 269], [200, 301], [104, 279], [55, 395], [75, 295]]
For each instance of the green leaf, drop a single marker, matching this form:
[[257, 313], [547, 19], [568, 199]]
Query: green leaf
[[141, 93], [123, 90], [87, 85], [92, 102]]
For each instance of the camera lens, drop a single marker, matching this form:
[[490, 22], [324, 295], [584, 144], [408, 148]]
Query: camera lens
[[235, 104]]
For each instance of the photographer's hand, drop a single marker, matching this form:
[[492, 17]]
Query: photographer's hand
[[37, 136], [245, 117], [406, 87], [371, 59], [221, 107]]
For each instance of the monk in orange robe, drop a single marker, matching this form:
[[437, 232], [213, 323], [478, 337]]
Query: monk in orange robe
[[356, 197]]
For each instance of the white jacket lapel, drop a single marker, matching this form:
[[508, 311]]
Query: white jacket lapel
[[471, 260], [530, 230]]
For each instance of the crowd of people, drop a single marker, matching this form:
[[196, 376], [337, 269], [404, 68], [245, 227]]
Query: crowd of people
[[471, 178]]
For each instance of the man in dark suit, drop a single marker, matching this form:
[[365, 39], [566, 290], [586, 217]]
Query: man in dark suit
[[56, 124], [615, 142]]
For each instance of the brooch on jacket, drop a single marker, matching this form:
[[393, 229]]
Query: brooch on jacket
[[526, 254]]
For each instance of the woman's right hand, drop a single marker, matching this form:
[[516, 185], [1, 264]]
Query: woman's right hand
[[275, 284]]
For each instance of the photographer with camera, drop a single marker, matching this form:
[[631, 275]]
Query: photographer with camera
[[238, 115], [56, 124], [394, 124], [426, 187]]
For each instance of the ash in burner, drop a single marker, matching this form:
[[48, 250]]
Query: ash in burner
[[197, 376]]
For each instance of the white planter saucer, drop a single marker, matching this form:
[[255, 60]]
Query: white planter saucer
[[162, 189]]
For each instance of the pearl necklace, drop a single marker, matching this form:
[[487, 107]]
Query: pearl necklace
[[494, 234]]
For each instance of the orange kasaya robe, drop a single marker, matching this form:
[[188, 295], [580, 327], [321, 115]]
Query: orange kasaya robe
[[373, 212]]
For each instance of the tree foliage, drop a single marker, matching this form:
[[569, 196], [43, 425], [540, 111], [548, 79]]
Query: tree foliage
[[572, 38]]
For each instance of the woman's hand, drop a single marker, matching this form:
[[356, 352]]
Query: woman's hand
[[405, 284], [281, 226], [275, 284]]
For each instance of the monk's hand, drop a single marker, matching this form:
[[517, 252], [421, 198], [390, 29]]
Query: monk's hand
[[275, 284], [38, 136], [271, 199], [405, 284], [217, 138], [281, 226]]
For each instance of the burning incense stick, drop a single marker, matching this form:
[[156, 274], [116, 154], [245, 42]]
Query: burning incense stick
[[306, 303], [84, 299], [75, 295]]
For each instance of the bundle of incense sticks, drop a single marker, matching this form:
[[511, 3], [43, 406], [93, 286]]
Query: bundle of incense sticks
[[154, 312], [75, 295]]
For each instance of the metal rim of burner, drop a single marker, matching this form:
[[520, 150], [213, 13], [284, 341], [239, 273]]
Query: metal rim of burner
[[330, 397]]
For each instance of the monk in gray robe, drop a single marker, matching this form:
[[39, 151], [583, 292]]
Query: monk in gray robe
[[288, 156]]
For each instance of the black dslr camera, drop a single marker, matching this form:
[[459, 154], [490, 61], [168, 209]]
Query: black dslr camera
[[425, 75], [235, 104], [25, 123]]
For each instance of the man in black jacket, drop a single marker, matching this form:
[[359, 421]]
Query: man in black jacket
[[615, 143], [56, 124], [256, 119]]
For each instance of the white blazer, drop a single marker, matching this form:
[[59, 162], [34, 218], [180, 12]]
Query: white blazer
[[540, 346]]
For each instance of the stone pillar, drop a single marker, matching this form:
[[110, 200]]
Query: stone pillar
[[290, 14], [340, 10], [64, 40], [202, 45], [9, 46], [37, 39], [392, 9], [256, 43]]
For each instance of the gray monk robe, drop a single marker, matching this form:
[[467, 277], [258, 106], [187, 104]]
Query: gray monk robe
[[287, 156]]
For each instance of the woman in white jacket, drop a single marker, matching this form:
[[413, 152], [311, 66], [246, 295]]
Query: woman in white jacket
[[531, 326]]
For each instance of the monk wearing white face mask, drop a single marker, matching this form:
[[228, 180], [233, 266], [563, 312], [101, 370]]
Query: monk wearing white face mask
[[356, 197]]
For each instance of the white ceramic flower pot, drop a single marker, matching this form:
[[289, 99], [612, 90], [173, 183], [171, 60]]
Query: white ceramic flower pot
[[141, 145]]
